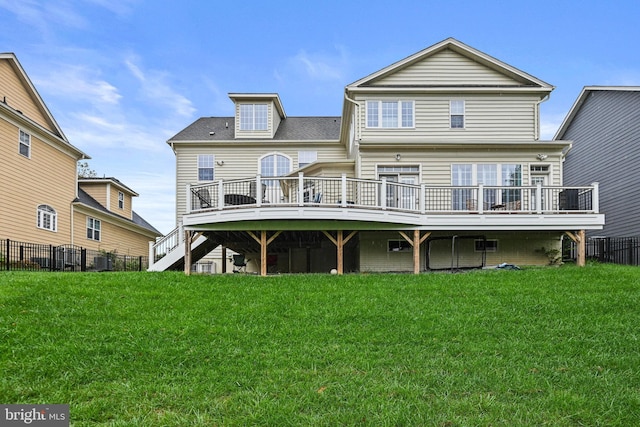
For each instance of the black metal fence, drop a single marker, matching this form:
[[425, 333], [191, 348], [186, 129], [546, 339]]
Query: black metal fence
[[615, 250], [38, 257]]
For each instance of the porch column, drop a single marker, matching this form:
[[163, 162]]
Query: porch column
[[187, 252], [581, 246]]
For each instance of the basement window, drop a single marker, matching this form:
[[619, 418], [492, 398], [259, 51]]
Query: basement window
[[398, 246]]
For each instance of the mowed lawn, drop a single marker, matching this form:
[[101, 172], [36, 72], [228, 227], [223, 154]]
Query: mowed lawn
[[545, 346]]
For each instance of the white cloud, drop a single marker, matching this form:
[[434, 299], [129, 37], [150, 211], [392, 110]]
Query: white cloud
[[78, 83], [154, 87], [319, 66]]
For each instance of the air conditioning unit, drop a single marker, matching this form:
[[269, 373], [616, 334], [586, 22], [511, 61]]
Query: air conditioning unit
[[102, 263]]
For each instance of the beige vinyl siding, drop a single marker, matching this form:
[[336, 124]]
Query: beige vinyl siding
[[98, 191], [435, 163], [487, 116], [114, 237], [18, 98], [48, 178], [446, 68], [519, 248], [126, 212], [240, 161]]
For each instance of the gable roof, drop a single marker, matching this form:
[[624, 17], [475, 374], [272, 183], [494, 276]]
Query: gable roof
[[213, 129], [38, 102], [523, 79], [584, 95], [85, 199], [108, 180]]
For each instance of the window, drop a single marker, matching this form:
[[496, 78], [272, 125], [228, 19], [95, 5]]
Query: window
[[206, 167], [456, 112], [120, 200], [93, 229], [398, 246], [47, 218], [253, 116], [486, 245], [25, 144], [389, 114], [306, 157]]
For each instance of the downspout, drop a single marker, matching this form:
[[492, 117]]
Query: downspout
[[536, 131]]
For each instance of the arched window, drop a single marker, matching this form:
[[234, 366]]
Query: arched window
[[275, 165], [47, 218]]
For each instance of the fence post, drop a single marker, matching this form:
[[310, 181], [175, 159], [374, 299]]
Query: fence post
[[83, 259], [6, 256]]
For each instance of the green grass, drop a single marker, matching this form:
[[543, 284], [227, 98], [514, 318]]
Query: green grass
[[556, 346]]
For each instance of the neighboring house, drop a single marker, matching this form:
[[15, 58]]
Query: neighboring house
[[435, 163], [105, 220], [604, 126], [42, 200]]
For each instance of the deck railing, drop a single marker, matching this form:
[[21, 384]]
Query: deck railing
[[383, 194], [354, 193]]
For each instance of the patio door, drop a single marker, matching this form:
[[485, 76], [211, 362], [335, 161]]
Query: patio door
[[274, 165], [400, 196], [535, 180]]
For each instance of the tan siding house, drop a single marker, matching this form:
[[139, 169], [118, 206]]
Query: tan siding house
[[41, 201], [435, 163]]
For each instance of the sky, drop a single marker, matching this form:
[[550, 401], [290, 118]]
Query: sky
[[121, 77]]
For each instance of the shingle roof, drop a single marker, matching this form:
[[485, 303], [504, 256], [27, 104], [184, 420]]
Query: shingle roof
[[86, 199], [290, 129]]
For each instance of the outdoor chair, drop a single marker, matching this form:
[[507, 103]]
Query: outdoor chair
[[239, 264]]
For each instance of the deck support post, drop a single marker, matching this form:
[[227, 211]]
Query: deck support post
[[187, 252], [340, 241], [415, 242], [264, 243], [581, 246], [224, 259]]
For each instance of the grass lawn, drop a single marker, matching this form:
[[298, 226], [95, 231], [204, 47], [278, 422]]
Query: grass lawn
[[553, 346]]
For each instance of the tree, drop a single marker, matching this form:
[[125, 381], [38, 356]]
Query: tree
[[84, 171]]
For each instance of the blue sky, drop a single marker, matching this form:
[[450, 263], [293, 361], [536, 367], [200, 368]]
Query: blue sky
[[123, 76]]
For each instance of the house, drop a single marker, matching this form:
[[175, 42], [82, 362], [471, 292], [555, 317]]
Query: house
[[105, 219], [42, 199], [435, 163], [604, 125]]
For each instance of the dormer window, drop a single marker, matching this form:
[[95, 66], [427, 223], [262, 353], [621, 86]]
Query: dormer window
[[253, 116]]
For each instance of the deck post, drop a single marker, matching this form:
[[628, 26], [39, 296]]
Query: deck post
[[581, 246], [340, 244], [263, 253], [224, 259], [416, 251], [187, 252]]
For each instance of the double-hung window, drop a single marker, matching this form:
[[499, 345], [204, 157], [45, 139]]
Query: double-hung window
[[253, 116], [47, 218], [390, 114], [456, 112], [93, 229], [206, 171], [25, 144]]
